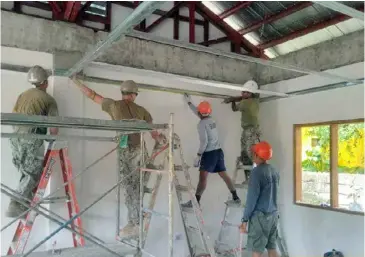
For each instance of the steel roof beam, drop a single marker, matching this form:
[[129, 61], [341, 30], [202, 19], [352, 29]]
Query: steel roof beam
[[234, 9], [158, 12], [292, 9], [307, 30], [143, 11], [228, 30], [168, 14], [256, 25]]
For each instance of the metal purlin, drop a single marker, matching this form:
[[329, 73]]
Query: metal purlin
[[102, 124], [146, 87], [144, 10]]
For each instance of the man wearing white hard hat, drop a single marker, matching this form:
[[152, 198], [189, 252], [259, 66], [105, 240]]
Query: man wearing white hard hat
[[129, 150], [249, 108]]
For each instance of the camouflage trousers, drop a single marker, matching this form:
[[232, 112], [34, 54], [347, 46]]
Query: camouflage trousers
[[28, 156], [250, 136], [130, 161]]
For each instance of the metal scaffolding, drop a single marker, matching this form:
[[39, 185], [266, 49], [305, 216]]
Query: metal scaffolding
[[121, 127]]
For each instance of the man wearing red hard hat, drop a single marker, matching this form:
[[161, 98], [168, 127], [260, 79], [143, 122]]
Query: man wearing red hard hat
[[261, 212]]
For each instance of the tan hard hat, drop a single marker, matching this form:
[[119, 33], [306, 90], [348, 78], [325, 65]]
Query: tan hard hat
[[37, 75], [129, 86]]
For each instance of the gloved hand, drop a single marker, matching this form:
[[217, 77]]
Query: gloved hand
[[228, 100], [197, 161], [187, 98], [160, 141]]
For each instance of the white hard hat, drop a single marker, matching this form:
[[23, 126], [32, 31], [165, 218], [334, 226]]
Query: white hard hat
[[250, 86], [37, 75]]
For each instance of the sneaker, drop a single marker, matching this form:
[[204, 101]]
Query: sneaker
[[188, 204], [234, 202], [15, 209], [129, 231]]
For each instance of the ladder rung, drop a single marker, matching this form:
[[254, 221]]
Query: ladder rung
[[156, 213], [181, 167], [194, 229], [182, 188], [234, 205], [243, 185], [56, 199], [154, 170], [244, 167], [203, 255], [228, 224], [148, 190], [178, 167], [188, 210]]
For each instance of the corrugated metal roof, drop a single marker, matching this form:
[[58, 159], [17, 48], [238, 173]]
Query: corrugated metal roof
[[299, 20]]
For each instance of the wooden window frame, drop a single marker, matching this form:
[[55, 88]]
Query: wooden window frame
[[297, 144]]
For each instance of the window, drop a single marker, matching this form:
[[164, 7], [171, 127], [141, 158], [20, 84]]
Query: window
[[329, 165]]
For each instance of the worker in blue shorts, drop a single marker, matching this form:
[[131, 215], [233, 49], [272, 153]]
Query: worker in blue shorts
[[210, 157], [261, 211]]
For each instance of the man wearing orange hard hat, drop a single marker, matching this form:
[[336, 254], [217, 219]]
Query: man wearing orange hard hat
[[261, 212], [210, 156]]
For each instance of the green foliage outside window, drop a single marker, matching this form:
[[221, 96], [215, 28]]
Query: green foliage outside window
[[351, 149]]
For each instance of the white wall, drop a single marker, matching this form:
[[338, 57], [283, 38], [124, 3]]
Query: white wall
[[308, 231], [100, 220]]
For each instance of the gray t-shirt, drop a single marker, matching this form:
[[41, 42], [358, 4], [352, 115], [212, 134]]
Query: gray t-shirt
[[208, 133]]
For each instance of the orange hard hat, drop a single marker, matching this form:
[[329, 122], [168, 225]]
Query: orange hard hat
[[204, 108], [263, 150]]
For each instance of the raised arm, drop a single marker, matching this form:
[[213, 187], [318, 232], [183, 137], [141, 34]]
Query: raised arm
[[88, 92], [191, 105]]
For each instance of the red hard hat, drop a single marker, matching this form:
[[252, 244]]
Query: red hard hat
[[204, 108], [263, 150]]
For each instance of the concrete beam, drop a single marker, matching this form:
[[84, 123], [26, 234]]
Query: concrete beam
[[36, 34], [331, 54]]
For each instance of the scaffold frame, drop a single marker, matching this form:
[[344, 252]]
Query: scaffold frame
[[121, 127]]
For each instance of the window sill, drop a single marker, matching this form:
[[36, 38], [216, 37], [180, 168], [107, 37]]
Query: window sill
[[330, 209]]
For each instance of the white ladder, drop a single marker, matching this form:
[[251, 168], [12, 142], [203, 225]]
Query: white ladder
[[222, 248], [232, 251], [153, 191], [198, 247]]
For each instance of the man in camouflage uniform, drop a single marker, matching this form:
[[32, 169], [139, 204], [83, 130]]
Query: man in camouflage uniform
[[28, 154], [249, 108], [130, 154]]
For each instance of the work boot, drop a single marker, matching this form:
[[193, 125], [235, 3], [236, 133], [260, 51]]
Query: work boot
[[129, 231], [15, 209]]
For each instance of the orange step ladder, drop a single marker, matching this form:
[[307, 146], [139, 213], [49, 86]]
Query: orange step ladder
[[24, 228]]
